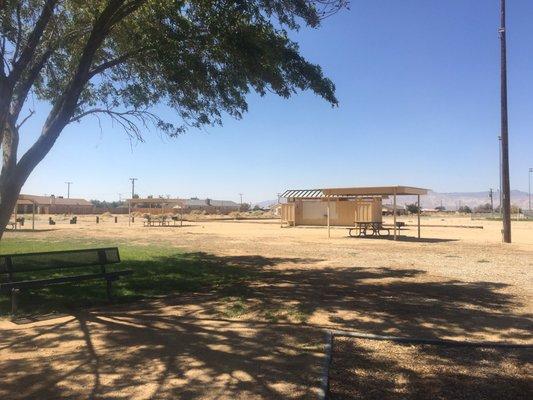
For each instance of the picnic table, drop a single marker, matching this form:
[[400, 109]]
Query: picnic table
[[365, 228], [161, 222]]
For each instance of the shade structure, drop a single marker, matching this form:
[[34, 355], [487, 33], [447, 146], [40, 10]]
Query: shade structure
[[375, 191], [353, 194]]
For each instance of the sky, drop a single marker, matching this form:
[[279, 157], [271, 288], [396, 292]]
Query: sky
[[418, 89]]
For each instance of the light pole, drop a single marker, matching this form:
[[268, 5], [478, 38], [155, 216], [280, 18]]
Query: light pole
[[506, 186], [133, 186], [240, 194], [68, 189], [529, 187]]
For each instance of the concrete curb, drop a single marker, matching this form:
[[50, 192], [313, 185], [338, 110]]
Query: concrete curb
[[431, 341], [324, 383]]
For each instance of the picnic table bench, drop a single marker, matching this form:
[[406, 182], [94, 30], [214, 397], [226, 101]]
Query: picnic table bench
[[156, 222], [161, 222], [13, 266], [372, 228]]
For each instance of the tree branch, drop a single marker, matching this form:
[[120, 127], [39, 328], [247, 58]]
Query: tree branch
[[128, 120], [33, 40], [19, 32], [114, 62], [64, 108], [21, 91], [25, 119]]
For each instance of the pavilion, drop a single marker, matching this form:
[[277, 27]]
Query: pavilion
[[344, 206]]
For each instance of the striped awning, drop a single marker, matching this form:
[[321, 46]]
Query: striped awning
[[303, 194], [353, 192]]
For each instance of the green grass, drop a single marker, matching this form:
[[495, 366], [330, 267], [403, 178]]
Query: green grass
[[157, 271]]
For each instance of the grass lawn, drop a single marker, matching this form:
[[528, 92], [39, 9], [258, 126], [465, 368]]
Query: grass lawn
[[157, 271]]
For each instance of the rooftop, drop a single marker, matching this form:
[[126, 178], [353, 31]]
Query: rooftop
[[353, 192], [52, 200]]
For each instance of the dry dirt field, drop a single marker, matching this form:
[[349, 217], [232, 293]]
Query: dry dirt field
[[456, 283]]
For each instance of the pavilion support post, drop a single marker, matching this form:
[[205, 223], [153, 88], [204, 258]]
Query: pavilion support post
[[33, 217], [394, 215], [418, 207], [329, 227]]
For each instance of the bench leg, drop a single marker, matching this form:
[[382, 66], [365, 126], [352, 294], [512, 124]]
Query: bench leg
[[109, 290], [14, 300]]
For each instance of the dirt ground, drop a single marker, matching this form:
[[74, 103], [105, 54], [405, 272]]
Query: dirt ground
[[378, 369], [457, 283]]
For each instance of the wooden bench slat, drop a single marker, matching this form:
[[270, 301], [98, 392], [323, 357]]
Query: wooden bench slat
[[64, 279], [42, 261]]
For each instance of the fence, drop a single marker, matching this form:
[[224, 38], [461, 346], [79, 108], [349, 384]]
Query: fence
[[497, 217]]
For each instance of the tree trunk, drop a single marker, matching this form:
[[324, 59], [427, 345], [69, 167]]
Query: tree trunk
[[9, 193]]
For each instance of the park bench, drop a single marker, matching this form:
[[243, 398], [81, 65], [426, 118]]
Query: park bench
[[12, 266]]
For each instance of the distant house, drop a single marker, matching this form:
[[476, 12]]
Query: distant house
[[208, 205], [53, 205], [164, 206]]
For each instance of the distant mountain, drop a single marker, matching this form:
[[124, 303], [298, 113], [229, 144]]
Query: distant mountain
[[452, 201], [266, 204]]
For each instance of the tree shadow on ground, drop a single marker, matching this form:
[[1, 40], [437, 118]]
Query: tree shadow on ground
[[184, 345], [410, 239], [376, 370]]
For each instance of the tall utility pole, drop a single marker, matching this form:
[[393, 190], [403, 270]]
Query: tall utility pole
[[529, 187], [506, 186], [240, 194], [500, 165], [133, 186], [68, 189]]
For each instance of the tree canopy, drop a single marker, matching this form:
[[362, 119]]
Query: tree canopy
[[201, 58], [121, 58]]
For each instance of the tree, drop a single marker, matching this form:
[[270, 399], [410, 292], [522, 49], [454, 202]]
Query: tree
[[412, 208], [118, 59], [465, 210], [484, 208]]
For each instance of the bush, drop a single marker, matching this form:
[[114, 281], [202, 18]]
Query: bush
[[412, 208], [485, 208], [465, 210]]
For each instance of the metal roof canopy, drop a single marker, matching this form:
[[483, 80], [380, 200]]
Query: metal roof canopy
[[375, 191], [353, 192]]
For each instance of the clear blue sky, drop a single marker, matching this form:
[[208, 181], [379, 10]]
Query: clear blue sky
[[418, 85]]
